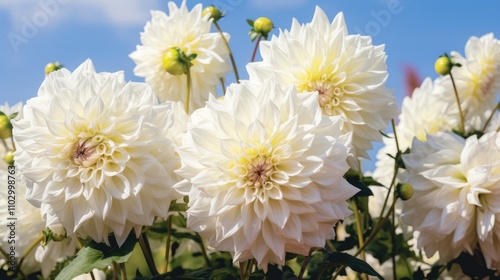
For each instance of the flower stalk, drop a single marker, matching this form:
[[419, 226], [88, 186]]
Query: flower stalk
[[255, 48], [231, 57], [462, 123], [148, 255]]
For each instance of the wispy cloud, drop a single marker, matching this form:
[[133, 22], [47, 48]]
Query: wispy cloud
[[267, 4], [114, 12]]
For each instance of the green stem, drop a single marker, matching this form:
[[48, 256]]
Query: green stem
[[204, 251], [359, 227], [148, 255], [28, 251], [242, 270], [188, 92], [393, 242], [223, 86], [255, 48], [490, 117], [462, 123], [167, 247], [230, 52], [123, 271], [368, 240], [116, 270], [303, 268], [92, 276]]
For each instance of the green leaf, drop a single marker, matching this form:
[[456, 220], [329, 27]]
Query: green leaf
[[250, 22], [177, 207], [13, 115], [336, 259], [2, 113], [358, 183], [98, 255], [385, 135]]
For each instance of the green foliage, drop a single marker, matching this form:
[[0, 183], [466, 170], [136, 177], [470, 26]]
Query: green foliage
[[336, 259], [98, 255]]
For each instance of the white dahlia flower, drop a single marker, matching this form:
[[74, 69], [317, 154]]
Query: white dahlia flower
[[96, 153], [28, 228], [190, 32], [456, 204], [477, 81], [348, 72], [264, 171]]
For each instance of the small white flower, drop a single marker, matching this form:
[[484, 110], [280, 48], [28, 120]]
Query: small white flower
[[348, 72], [190, 32], [456, 204], [98, 153], [264, 171]]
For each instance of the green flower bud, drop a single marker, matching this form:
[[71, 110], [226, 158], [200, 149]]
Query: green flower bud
[[52, 66], [263, 25], [58, 232], [404, 191], [5, 127], [173, 63], [443, 65], [214, 13], [9, 157]]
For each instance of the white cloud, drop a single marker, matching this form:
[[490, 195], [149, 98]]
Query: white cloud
[[114, 12], [273, 4]]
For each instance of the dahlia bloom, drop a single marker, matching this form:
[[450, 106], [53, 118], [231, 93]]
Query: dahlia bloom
[[477, 81], [190, 32], [96, 153], [348, 72], [456, 204], [29, 226], [264, 171]]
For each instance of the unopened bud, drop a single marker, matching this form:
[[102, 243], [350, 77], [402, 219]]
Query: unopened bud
[[263, 25], [58, 232], [5, 127], [9, 157], [52, 66], [404, 191], [443, 65], [214, 13]]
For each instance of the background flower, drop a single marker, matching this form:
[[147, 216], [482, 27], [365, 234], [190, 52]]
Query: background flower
[[96, 154], [264, 171], [348, 72], [456, 201], [190, 32]]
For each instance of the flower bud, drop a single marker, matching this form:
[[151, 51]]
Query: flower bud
[[443, 65], [52, 66], [263, 25], [404, 191], [9, 157], [58, 232], [173, 63], [5, 127], [214, 13]]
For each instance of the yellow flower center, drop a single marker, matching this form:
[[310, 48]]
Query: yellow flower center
[[329, 96]]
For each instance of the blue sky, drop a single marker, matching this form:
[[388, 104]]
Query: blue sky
[[33, 33]]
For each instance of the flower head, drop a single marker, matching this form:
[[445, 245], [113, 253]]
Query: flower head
[[347, 71], [477, 80], [28, 227], [264, 171], [188, 31], [97, 153], [456, 195]]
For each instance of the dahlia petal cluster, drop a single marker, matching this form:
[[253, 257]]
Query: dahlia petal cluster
[[348, 72], [264, 172], [477, 80], [190, 32], [456, 204], [29, 226], [97, 153]]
